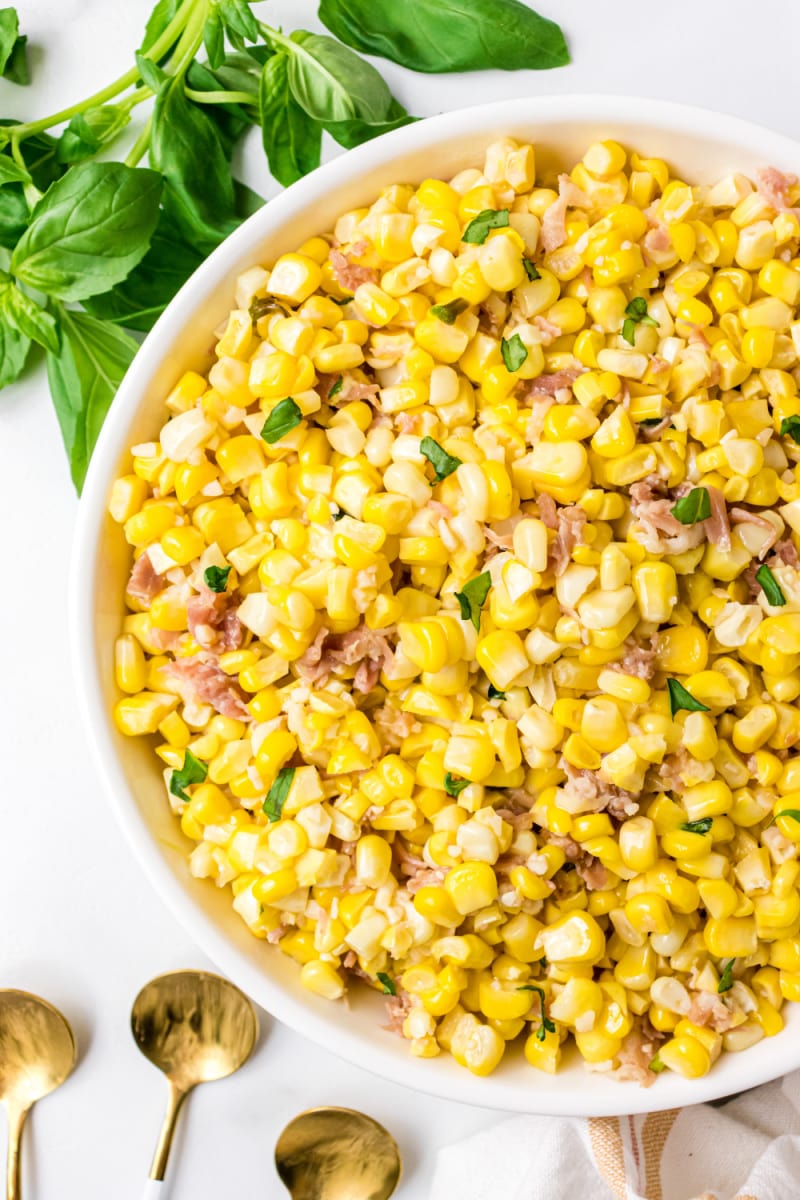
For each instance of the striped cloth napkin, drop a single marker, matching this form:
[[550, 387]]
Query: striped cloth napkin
[[746, 1148]]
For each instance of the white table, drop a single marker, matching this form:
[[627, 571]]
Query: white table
[[80, 924]]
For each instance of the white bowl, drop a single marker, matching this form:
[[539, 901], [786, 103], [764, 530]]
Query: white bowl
[[702, 146]]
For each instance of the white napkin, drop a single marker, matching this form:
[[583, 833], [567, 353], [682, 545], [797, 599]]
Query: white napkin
[[746, 1149]]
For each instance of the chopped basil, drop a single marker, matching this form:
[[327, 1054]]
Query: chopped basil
[[453, 786], [514, 352], [276, 796], [472, 599], [216, 578], [262, 306], [387, 983], [448, 312], [192, 771], [770, 587], [284, 417], [701, 826], [726, 978], [679, 698], [656, 1065], [495, 693], [337, 387], [477, 231], [530, 269], [337, 516], [635, 314], [694, 507], [791, 425], [546, 1026], [443, 463]]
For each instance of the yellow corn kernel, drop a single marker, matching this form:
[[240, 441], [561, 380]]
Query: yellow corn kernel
[[128, 494], [322, 979], [501, 654], [573, 938], [686, 1055], [143, 713], [129, 664], [471, 886]]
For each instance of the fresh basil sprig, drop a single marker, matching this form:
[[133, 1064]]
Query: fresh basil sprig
[[479, 227], [514, 352], [694, 507], [192, 771], [284, 417], [216, 578], [13, 59], [278, 793], [770, 587], [443, 463], [472, 598]]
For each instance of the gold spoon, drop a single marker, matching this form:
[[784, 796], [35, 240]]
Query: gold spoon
[[195, 1027], [37, 1053], [337, 1154]]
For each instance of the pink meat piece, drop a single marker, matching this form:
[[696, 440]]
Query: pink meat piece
[[348, 274], [145, 583], [592, 872], [549, 329], [657, 239], [212, 620], [708, 1009], [571, 520], [548, 512], [635, 1056], [774, 186], [741, 516], [441, 510], [717, 526], [520, 799], [351, 389], [554, 222], [636, 661], [670, 772], [548, 385], [407, 422], [363, 648], [786, 553], [201, 679], [394, 726], [429, 877], [517, 820], [275, 935], [588, 786], [398, 1007], [659, 531], [488, 321], [540, 407]]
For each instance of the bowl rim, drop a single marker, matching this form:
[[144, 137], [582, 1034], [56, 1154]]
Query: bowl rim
[[617, 1099]]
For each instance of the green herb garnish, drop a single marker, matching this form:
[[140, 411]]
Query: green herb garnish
[[679, 698], [472, 598], [794, 813], [338, 514], [635, 314], [216, 578], [770, 587], [192, 771], [791, 426], [477, 231], [337, 387], [495, 693], [454, 786], [13, 59], [443, 463], [285, 417], [262, 306], [546, 1026], [694, 507], [701, 826], [514, 352], [726, 978], [387, 983], [656, 1065], [448, 312], [530, 269], [276, 796]]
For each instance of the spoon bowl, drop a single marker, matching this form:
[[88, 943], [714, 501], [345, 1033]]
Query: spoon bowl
[[337, 1154], [196, 1028], [37, 1053]]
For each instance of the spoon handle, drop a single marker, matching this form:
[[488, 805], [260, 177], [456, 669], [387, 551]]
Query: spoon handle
[[159, 1166], [16, 1120]]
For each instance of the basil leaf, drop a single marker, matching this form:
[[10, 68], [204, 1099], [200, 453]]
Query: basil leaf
[[443, 463], [157, 22], [448, 35], [337, 387], [39, 155], [701, 826], [187, 148], [472, 598], [635, 313], [14, 347], [88, 230], [12, 172], [83, 378], [514, 352], [13, 60], [791, 426], [238, 19], [454, 786], [292, 140], [694, 507], [629, 331], [284, 417], [331, 83], [770, 587], [14, 216], [495, 693], [276, 796], [448, 312], [355, 132], [28, 317], [656, 1065], [216, 578], [726, 978], [530, 269], [546, 1026], [679, 699], [214, 38], [90, 130], [262, 306], [387, 983], [140, 299], [477, 231], [637, 308], [794, 813], [192, 771]]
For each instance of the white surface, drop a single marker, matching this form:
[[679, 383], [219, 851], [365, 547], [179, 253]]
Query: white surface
[[80, 923], [701, 145]]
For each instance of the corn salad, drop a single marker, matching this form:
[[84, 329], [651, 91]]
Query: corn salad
[[465, 611]]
